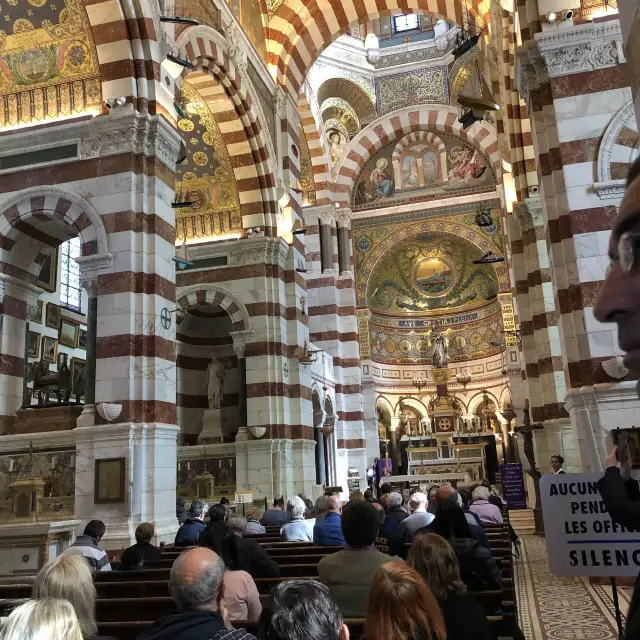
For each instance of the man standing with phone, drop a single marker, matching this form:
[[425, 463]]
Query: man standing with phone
[[619, 302]]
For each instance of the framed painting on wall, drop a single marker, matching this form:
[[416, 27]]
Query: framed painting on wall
[[77, 365], [49, 349], [48, 275], [82, 338], [33, 344], [37, 312], [53, 315], [109, 480], [69, 333]]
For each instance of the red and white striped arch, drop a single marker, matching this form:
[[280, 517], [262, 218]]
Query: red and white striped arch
[[427, 137], [214, 294], [398, 124], [253, 164], [40, 218], [299, 31]]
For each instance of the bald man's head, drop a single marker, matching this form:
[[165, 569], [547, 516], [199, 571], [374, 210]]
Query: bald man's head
[[195, 580], [334, 504], [446, 493]]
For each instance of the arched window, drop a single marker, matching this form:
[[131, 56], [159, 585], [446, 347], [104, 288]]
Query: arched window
[[70, 288]]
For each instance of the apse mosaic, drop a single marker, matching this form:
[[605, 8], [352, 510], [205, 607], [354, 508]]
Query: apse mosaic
[[414, 262], [466, 340], [249, 15], [429, 272], [48, 62], [205, 177], [439, 167]]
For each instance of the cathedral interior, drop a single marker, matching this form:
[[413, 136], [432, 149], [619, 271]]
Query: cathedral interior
[[262, 246]]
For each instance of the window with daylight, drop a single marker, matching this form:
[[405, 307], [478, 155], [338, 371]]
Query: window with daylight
[[406, 22], [70, 288]]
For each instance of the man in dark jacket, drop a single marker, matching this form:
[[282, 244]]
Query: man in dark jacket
[[194, 584], [621, 496], [276, 516], [189, 533], [619, 301]]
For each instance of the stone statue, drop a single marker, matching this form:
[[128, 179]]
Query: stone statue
[[438, 348], [215, 373]]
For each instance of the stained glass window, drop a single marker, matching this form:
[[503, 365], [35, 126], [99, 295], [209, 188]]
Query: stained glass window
[[70, 289], [406, 22]]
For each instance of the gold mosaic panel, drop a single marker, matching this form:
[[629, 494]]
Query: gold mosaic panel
[[206, 176], [48, 62]]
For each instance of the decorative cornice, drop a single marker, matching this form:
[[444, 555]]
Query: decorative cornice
[[19, 289], [259, 251], [528, 213], [92, 266], [579, 48], [610, 189], [240, 340]]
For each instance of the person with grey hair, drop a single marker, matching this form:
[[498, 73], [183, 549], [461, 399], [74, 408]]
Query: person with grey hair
[[395, 514], [194, 584], [418, 519], [321, 507], [298, 529], [481, 507], [189, 533]]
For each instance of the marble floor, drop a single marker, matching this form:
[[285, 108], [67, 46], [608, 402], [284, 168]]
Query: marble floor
[[552, 608]]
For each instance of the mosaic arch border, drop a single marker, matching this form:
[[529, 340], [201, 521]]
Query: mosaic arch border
[[207, 50], [216, 294], [298, 34], [397, 125], [412, 229], [41, 204], [621, 120]]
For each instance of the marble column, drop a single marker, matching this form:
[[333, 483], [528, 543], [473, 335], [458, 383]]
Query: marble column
[[321, 475], [344, 248], [92, 320], [240, 340], [395, 453], [326, 246]]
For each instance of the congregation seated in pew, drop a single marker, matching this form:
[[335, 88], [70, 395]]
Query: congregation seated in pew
[[299, 610], [436, 562], [328, 530], [402, 607], [189, 533], [253, 523], [276, 516], [86, 546], [297, 529], [142, 549], [71, 578], [348, 573], [50, 618]]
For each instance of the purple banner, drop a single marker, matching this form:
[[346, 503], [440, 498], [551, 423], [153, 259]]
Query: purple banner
[[513, 486]]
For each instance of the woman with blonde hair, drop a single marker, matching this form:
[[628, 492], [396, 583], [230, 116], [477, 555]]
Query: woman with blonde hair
[[71, 578], [435, 560], [402, 607], [48, 619]]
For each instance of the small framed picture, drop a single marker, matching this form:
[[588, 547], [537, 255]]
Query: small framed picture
[[33, 344], [28, 371], [109, 480], [49, 272], [77, 366], [49, 349], [69, 333], [36, 312], [53, 315], [82, 338]]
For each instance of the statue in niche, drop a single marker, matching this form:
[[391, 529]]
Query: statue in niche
[[337, 145], [215, 381], [438, 348]]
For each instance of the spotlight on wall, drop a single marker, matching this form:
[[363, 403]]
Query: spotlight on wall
[[552, 16], [179, 20], [182, 263], [177, 57], [113, 103]]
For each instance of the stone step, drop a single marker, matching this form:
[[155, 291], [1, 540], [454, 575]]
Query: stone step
[[522, 521]]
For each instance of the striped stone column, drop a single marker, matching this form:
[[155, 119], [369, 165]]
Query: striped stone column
[[576, 85]]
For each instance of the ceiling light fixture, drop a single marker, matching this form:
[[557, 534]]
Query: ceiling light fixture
[[489, 258], [179, 20]]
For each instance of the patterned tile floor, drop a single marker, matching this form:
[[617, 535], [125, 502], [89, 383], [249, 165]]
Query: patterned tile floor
[[552, 608]]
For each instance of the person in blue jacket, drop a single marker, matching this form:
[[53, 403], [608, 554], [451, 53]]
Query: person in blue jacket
[[189, 533], [328, 531]]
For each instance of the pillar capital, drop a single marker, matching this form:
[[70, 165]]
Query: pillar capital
[[240, 340]]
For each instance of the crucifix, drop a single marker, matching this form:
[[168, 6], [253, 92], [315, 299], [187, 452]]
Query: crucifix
[[527, 430]]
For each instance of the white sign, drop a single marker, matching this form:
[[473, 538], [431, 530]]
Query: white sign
[[244, 497], [582, 540]]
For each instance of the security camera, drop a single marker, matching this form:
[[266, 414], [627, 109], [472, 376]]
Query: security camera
[[566, 14], [182, 263]]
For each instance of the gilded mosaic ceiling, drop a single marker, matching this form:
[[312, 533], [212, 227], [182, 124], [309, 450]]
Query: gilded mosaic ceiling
[[431, 272], [48, 62], [351, 93], [206, 176]]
